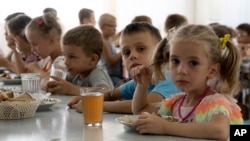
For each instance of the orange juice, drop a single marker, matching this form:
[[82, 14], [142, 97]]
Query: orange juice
[[92, 108]]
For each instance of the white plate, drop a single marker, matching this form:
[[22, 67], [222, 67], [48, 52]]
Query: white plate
[[47, 103], [127, 121], [12, 81]]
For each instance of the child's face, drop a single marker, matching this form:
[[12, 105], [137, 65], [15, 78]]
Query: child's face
[[76, 60], [242, 37], [189, 66], [9, 39], [137, 49], [109, 29], [40, 44]]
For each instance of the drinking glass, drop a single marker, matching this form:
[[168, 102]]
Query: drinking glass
[[92, 102]]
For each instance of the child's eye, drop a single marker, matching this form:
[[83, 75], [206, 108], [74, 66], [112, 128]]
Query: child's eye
[[193, 63], [72, 56], [126, 53], [140, 49], [175, 61]]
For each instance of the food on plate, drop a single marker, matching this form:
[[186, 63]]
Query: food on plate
[[48, 101], [171, 119], [5, 76], [126, 119]]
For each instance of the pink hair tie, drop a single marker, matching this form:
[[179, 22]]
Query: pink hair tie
[[39, 22]]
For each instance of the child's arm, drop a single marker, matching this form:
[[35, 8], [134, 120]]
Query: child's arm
[[60, 86], [124, 106], [140, 101], [111, 59], [7, 64], [20, 66], [217, 128]]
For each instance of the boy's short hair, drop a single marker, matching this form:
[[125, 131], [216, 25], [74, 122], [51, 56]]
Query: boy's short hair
[[175, 20], [84, 13], [142, 18], [138, 27], [106, 18], [85, 36]]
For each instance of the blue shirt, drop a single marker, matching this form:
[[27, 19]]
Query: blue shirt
[[164, 87]]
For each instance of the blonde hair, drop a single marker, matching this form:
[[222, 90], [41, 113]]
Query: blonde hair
[[229, 61], [106, 19], [161, 57]]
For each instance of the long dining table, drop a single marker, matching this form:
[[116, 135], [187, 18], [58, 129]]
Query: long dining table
[[60, 123]]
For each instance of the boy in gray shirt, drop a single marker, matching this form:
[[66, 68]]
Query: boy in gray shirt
[[82, 47]]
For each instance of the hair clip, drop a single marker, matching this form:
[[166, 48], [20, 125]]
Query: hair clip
[[39, 22], [224, 40]]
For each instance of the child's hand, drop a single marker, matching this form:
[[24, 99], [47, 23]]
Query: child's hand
[[73, 101], [33, 67], [141, 74], [150, 123], [60, 86]]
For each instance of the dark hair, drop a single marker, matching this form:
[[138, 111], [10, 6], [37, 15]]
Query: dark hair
[[142, 27], [85, 36], [142, 18], [49, 9], [12, 15], [17, 25], [84, 13], [174, 20], [222, 30], [244, 27]]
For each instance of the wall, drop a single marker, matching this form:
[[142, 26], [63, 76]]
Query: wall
[[230, 12]]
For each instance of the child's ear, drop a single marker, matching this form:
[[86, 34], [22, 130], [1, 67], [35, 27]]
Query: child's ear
[[94, 59], [214, 71]]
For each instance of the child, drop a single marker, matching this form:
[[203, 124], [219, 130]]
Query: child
[[44, 35], [87, 16], [195, 57], [173, 22], [8, 61], [243, 39], [110, 59], [82, 48], [138, 42], [15, 28]]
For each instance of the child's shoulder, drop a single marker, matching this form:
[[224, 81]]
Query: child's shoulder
[[217, 97], [174, 97], [219, 103]]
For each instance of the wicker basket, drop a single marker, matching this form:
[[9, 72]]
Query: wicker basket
[[18, 109]]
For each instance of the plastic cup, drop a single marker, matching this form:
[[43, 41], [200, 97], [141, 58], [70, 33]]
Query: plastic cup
[[31, 83], [92, 102], [57, 72]]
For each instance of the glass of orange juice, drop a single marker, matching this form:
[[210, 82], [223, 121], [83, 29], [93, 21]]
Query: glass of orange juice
[[92, 102]]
